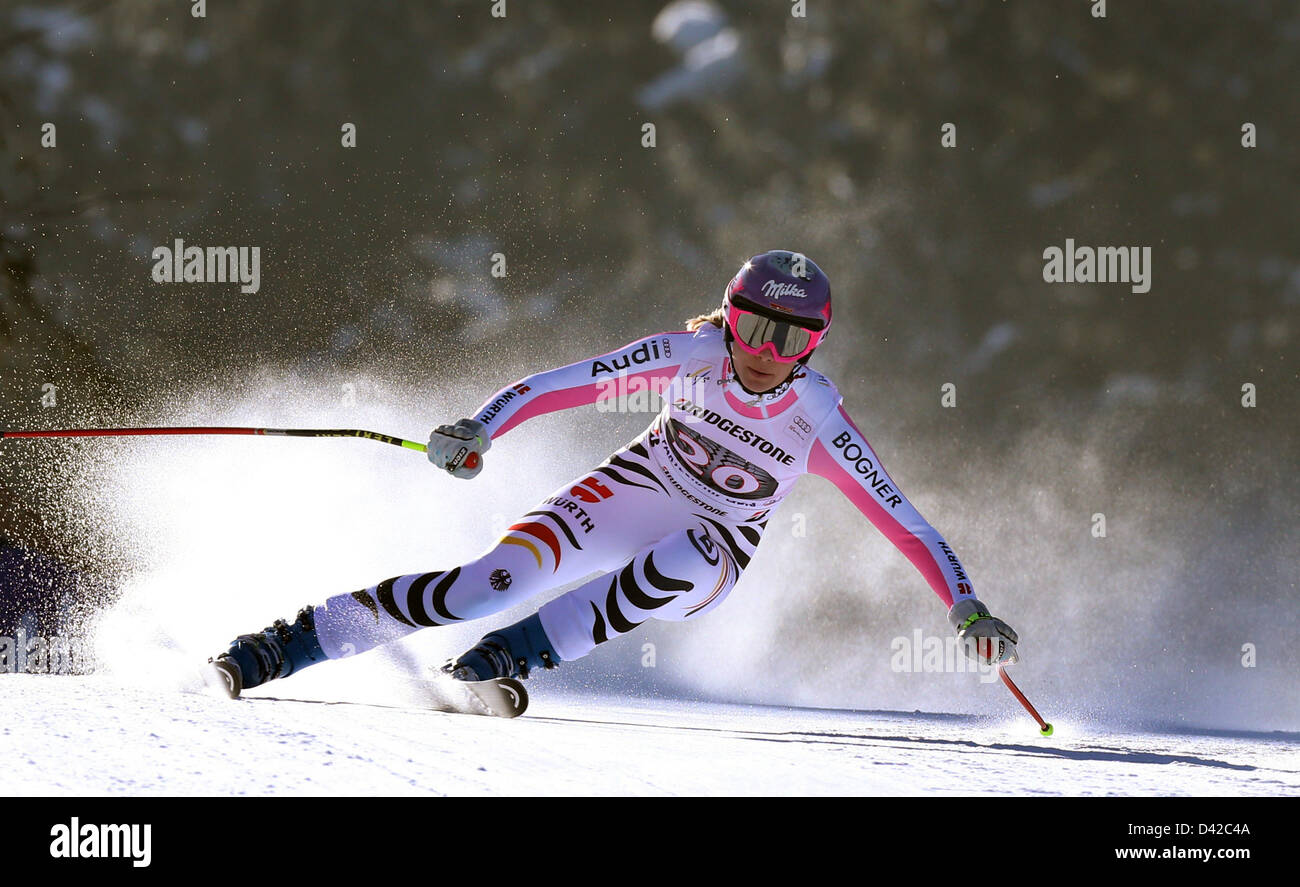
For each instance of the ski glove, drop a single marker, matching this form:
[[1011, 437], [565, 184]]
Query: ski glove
[[987, 639], [459, 448]]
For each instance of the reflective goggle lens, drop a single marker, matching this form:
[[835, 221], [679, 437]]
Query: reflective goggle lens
[[755, 330]]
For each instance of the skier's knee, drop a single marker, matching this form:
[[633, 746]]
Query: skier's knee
[[695, 567]]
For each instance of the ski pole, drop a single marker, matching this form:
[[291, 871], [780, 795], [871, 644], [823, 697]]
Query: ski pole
[[282, 432], [1044, 727], [470, 461]]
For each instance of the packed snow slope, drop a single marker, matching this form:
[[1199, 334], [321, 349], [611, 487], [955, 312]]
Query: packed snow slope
[[90, 735]]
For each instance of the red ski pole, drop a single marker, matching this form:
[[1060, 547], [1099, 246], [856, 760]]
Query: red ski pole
[[470, 460], [281, 432], [1044, 727]]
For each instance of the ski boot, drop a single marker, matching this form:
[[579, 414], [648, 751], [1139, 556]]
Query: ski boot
[[511, 652], [275, 652]]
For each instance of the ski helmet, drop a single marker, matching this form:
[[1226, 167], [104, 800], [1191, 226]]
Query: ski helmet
[[779, 302]]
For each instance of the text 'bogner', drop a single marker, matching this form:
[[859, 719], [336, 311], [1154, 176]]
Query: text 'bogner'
[[863, 466]]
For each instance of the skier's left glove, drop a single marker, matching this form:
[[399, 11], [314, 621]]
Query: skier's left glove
[[459, 448], [986, 639]]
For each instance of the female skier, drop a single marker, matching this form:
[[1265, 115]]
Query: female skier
[[670, 520]]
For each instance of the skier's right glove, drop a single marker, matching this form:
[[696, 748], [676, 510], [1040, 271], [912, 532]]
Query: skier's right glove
[[986, 639], [459, 448]]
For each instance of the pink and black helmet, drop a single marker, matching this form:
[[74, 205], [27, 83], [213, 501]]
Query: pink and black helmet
[[780, 303]]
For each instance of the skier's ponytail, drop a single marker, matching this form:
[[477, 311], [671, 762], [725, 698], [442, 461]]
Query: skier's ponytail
[[717, 317]]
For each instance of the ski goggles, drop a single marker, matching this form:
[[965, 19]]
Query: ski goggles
[[756, 332]]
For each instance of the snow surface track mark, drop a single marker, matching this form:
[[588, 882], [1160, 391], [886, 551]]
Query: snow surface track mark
[[90, 735]]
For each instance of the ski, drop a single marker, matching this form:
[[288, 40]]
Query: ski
[[498, 697]]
